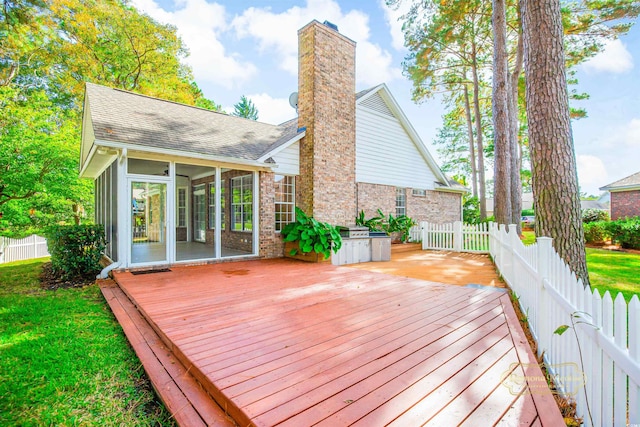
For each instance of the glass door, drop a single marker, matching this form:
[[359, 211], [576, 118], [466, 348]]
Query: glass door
[[148, 222], [199, 213]]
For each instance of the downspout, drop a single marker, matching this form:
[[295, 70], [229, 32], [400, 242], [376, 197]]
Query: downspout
[[105, 271]]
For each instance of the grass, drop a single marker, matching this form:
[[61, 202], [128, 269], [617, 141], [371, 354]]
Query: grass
[[64, 359], [611, 271]]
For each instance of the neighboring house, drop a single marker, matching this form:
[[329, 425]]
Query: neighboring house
[[625, 196], [176, 183], [527, 203]]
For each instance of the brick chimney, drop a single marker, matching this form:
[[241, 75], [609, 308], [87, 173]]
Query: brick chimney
[[326, 107]]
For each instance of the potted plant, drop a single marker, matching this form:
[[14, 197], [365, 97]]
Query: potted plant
[[309, 239]]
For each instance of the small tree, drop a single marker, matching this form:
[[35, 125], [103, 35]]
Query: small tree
[[245, 108]]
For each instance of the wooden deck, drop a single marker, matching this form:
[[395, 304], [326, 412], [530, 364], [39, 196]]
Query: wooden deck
[[283, 342]]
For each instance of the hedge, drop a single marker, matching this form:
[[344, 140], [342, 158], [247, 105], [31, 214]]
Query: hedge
[[76, 249]]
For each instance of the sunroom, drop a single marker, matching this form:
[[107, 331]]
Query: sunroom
[[179, 190]]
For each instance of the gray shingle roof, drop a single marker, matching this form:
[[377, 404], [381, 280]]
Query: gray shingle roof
[[126, 117], [630, 181]]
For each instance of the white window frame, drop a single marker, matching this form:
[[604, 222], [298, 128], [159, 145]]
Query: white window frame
[[401, 201], [291, 187], [182, 208], [419, 192], [211, 194], [246, 183]]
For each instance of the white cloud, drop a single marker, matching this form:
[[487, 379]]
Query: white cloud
[[615, 58], [592, 173], [200, 24], [272, 110], [276, 33], [392, 16]]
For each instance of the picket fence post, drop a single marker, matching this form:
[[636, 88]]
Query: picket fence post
[[457, 236], [545, 250]]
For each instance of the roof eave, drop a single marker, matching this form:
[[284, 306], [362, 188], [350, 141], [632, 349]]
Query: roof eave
[[184, 154], [281, 147]]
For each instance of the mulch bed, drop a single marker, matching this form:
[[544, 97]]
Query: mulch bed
[[51, 281]]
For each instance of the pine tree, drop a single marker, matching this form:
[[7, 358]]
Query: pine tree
[[245, 108]]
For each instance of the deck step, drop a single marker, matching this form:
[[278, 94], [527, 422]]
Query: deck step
[[184, 397]]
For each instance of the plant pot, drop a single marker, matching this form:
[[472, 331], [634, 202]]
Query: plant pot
[[308, 256]]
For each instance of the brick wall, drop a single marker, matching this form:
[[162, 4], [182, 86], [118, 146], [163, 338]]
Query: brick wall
[[326, 107], [437, 206], [625, 204], [271, 244]]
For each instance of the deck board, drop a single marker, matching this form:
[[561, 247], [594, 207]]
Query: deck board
[[281, 342]]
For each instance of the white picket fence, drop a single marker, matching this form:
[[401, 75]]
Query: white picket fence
[[608, 331], [30, 247], [455, 236], [549, 294]]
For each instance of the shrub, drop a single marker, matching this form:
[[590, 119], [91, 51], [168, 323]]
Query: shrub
[[596, 232], [312, 235], [626, 232], [76, 249], [528, 212], [593, 215]]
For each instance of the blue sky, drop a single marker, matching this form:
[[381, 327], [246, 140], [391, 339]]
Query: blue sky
[[249, 48]]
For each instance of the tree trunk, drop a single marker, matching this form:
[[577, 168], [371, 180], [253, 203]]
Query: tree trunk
[[553, 161], [479, 139], [502, 150], [472, 150], [514, 131]]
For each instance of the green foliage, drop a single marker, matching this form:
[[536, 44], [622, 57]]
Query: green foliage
[[65, 359], [312, 235], [470, 209], [48, 49], [626, 232], [397, 224], [373, 224], [593, 215], [596, 232], [528, 212], [245, 108], [76, 249]]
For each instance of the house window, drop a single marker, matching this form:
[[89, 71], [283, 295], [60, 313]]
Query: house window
[[401, 202], [212, 205], [285, 200], [182, 207], [242, 203], [419, 192]]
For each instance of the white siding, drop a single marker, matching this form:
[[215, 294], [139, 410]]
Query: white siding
[[288, 160], [385, 154]]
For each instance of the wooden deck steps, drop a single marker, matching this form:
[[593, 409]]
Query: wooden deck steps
[[183, 396]]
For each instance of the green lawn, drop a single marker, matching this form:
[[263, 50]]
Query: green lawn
[[64, 359], [608, 270]]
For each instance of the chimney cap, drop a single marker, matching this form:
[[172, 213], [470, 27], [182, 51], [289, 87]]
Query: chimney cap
[[331, 25]]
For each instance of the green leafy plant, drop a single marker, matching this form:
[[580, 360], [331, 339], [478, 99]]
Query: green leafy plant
[[312, 235], [76, 249], [626, 232], [592, 215], [373, 224], [398, 224], [596, 232]]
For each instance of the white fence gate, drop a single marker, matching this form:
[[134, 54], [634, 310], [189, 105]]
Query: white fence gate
[[456, 236], [30, 247], [602, 349]]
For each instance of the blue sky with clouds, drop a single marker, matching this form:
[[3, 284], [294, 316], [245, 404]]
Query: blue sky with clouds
[[249, 48]]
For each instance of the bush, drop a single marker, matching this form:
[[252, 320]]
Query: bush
[[626, 232], [76, 249], [312, 235], [593, 215], [596, 232], [528, 212]]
